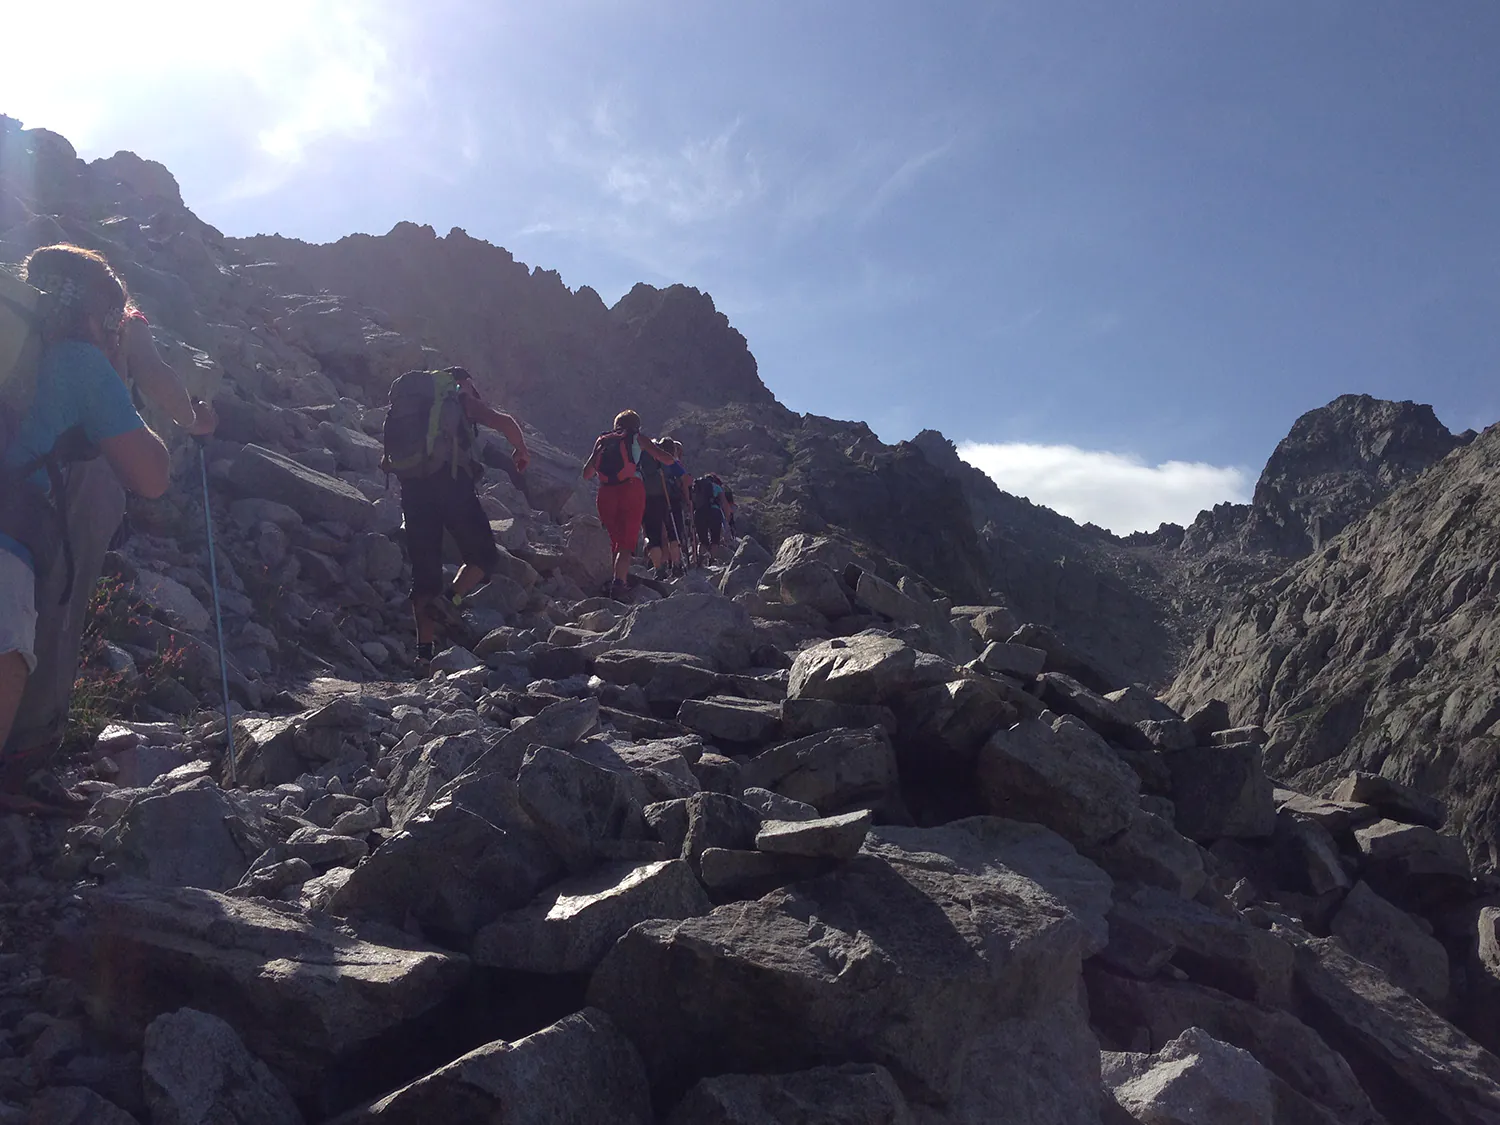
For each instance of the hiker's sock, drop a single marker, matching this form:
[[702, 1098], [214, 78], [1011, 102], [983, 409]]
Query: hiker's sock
[[424, 650]]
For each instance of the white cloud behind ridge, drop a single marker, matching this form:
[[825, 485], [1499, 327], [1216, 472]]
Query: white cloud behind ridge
[[1117, 491]]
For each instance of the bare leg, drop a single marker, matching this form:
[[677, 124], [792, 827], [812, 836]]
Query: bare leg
[[421, 613], [469, 579]]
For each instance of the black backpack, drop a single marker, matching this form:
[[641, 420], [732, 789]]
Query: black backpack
[[706, 491], [615, 461], [426, 428]]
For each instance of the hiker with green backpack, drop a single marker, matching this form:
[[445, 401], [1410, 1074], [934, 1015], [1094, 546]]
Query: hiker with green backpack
[[70, 437], [431, 440]]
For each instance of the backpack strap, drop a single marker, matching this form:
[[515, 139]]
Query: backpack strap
[[60, 502]]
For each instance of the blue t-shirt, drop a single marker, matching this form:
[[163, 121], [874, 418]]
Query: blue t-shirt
[[76, 386]]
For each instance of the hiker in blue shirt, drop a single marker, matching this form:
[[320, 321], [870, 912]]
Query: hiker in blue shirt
[[81, 419]]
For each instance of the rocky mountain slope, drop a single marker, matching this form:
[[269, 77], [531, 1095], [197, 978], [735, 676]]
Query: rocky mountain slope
[[792, 839], [1378, 650], [1137, 603], [1140, 602], [1113, 599]]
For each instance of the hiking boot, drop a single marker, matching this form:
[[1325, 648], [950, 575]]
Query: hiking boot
[[450, 619]]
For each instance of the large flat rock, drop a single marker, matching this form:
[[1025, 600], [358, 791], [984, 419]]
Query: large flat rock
[[574, 924], [865, 668], [1063, 776], [908, 958], [707, 626], [1420, 1066], [258, 472], [303, 994], [579, 1070]]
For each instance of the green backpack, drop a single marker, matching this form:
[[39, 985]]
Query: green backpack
[[27, 514], [426, 429]]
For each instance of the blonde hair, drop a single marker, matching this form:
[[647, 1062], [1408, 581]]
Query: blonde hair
[[628, 420], [81, 286]]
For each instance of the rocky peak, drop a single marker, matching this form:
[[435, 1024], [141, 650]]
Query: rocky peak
[[147, 179], [1378, 651], [1337, 463]]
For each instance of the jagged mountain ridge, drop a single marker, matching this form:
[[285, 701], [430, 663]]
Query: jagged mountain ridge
[[1335, 465], [558, 357]]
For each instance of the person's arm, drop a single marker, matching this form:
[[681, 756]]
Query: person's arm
[[99, 402], [656, 451], [159, 383], [484, 414], [140, 460], [591, 467]]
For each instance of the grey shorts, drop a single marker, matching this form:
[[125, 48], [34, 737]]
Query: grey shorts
[[17, 609]]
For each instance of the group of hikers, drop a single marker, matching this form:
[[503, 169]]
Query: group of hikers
[[77, 359], [644, 489]]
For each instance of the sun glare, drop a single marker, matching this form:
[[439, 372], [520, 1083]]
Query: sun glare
[[291, 70]]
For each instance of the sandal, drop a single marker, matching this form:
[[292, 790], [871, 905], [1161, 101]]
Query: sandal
[[30, 789]]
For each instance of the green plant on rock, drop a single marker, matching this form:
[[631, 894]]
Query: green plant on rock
[[101, 694]]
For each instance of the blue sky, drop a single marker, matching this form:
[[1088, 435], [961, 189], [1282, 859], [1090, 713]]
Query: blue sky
[[1122, 245]]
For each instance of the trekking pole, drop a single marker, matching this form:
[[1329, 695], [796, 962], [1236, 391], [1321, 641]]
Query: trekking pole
[[213, 576], [666, 495]]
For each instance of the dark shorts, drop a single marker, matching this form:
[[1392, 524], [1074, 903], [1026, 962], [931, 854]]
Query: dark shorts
[[710, 525], [439, 503], [657, 521]]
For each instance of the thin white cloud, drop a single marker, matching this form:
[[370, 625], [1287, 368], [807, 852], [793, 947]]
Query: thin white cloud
[[333, 79], [664, 206], [1114, 490], [902, 179]]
